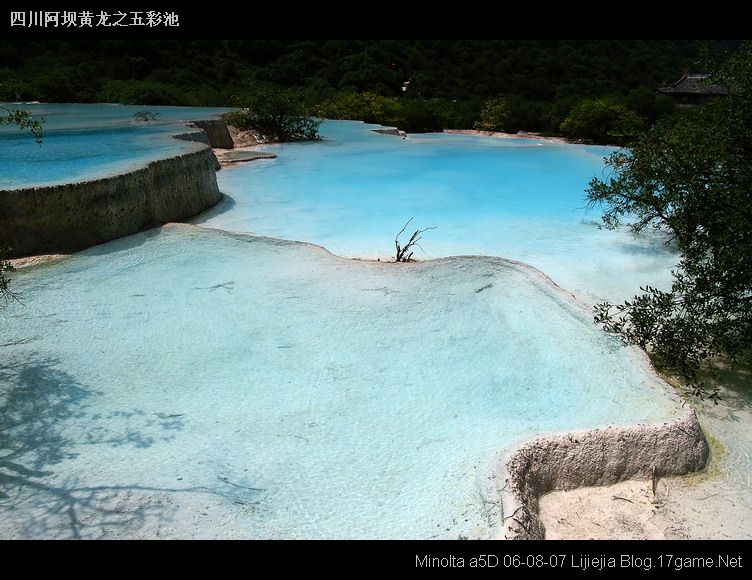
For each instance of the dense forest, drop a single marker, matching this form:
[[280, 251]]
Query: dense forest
[[418, 84]]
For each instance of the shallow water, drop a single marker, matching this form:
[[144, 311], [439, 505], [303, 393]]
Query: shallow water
[[518, 198], [90, 141], [713, 504], [186, 383]]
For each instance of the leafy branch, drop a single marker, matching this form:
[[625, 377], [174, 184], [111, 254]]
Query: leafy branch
[[24, 120], [670, 330], [6, 294]]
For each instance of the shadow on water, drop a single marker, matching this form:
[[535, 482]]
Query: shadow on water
[[735, 386], [224, 205], [648, 247], [121, 244], [46, 420]]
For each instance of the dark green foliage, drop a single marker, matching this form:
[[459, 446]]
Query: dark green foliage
[[414, 115], [613, 119], [423, 116], [136, 92], [6, 294], [649, 105], [691, 175], [603, 120], [495, 116], [368, 107], [275, 115], [450, 80]]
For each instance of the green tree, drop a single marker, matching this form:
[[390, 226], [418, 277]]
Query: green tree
[[646, 103], [275, 115], [691, 176], [414, 115], [367, 107], [495, 116], [423, 116], [602, 120]]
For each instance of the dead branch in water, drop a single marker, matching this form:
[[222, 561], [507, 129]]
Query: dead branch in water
[[405, 254]]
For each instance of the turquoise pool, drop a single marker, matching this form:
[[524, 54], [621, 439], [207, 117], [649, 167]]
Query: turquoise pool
[[189, 382], [517, 198], [90, 141]]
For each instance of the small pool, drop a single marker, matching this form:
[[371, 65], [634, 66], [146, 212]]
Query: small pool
[[90, 141]]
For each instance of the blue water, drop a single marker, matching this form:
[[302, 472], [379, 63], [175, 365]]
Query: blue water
[[517, 198], [187, 382], [90, 141]]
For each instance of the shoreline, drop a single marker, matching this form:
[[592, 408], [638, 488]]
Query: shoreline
[[710, 504], [245, 148], [29, 261], [72, 215], [519, 135]]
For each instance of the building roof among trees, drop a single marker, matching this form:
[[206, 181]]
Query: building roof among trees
[[692, 84]]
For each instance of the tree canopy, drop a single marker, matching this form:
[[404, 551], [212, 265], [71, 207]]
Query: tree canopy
[[691, 176], [275, 115], [603, 120], [435, 84]]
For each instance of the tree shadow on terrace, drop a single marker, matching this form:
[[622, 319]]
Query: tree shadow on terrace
[[38, 404]]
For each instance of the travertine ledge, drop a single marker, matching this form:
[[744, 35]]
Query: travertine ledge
[[73, 216], [216, 132], [594, 457]]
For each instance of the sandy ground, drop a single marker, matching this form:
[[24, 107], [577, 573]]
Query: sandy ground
[[34, 260], [500, 135], [713, 504], [246, 148], [242, 138]]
